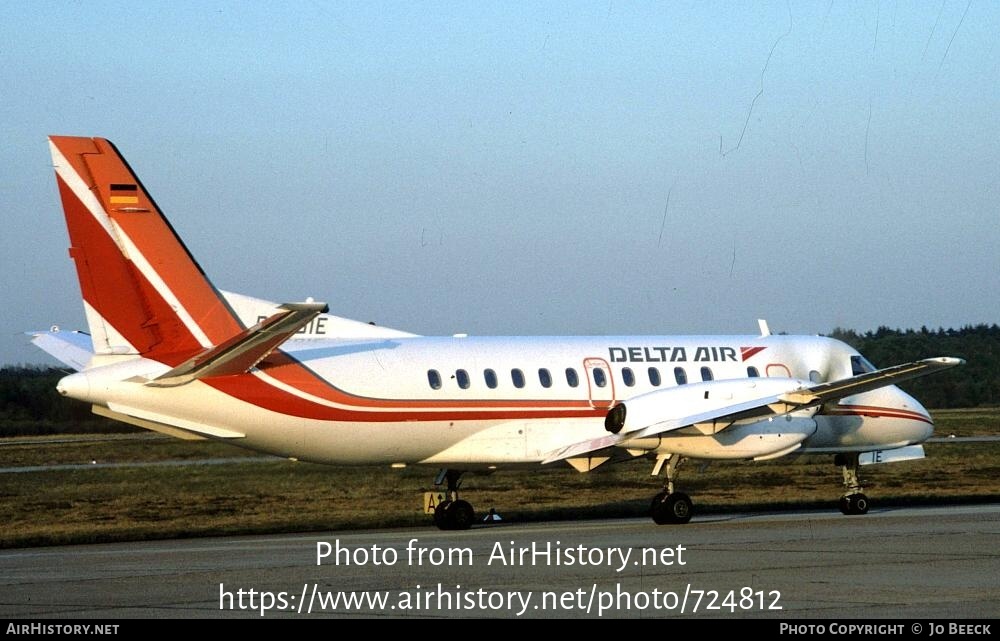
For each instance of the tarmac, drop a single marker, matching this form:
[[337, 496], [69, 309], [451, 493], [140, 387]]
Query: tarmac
[[903, 563]]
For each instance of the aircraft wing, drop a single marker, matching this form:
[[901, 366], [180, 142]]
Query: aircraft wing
[[762, 406], [727, 413], [244, 350], [825, 392]]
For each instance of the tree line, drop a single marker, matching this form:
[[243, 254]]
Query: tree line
[[975, 384], [29, 403]]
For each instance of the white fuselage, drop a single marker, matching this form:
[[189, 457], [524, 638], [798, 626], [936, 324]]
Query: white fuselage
[[497, 401]]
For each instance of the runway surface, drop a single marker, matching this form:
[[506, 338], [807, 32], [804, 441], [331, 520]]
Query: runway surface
[[920, 563]]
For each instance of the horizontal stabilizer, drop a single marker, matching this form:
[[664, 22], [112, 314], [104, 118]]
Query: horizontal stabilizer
[[246, 349], [74, 349]]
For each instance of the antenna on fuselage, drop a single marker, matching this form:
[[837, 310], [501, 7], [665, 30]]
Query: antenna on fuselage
[[765, 331]]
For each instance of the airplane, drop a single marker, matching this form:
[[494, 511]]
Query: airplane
[[167, 351]]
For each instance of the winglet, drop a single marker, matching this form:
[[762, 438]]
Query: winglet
[[246, 349]]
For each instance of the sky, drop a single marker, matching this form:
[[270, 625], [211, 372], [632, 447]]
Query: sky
[[527, 168]]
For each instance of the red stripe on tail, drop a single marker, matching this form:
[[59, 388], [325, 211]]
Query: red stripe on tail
[[121, 287]]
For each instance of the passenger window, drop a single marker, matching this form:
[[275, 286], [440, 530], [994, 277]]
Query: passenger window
[[491, 378], [680, 376], [752, 372], [654, 377], [462, 377], [815, 376], [600, 378], [628, 377], [544, 377], [706, 374], [571, 377], [434, 379], [517, 376]]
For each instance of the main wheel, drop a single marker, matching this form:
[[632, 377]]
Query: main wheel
[[441, 516], [657, 511], [680, 507], [461, 515], [454, 515], [854, 504], [671, 508]]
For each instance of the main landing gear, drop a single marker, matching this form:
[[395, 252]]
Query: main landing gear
[[853, 501], [453, 513], [670, 507]]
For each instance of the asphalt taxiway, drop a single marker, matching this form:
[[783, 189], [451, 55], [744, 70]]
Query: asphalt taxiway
[[933, 562]]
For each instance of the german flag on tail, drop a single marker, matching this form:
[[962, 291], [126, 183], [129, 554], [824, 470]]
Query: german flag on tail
[[124, 194]]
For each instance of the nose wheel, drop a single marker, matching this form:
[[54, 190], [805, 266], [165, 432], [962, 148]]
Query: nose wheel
[[854, 501], [854, 504]]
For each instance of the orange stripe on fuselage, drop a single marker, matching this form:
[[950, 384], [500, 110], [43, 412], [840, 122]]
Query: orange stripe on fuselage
[[258, 392], [876, 412], [292, 372], [252, 390]]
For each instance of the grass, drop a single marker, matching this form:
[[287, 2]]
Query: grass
[[977, 421], [132, 503], [74, 449]]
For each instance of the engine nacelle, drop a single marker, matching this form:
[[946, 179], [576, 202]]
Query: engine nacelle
[[674, 403], [769, 438]]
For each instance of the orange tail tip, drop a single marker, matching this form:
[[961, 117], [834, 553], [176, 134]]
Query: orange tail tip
[[142, 290]]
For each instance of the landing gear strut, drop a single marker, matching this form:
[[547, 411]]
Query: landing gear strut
[[453, 513], [669, 506], [853, 500]]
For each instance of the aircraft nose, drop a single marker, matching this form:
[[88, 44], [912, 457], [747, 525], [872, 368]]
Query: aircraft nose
[[922, 424]]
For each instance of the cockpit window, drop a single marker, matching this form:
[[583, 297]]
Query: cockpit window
[[860, 365]]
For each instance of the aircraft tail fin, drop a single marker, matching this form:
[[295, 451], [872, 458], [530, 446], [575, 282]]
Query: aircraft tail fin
[[142, 290]]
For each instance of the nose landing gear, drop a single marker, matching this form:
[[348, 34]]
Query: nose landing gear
[[853, 502]]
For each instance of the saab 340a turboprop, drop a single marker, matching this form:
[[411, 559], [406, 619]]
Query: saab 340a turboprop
[[169, 352]]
